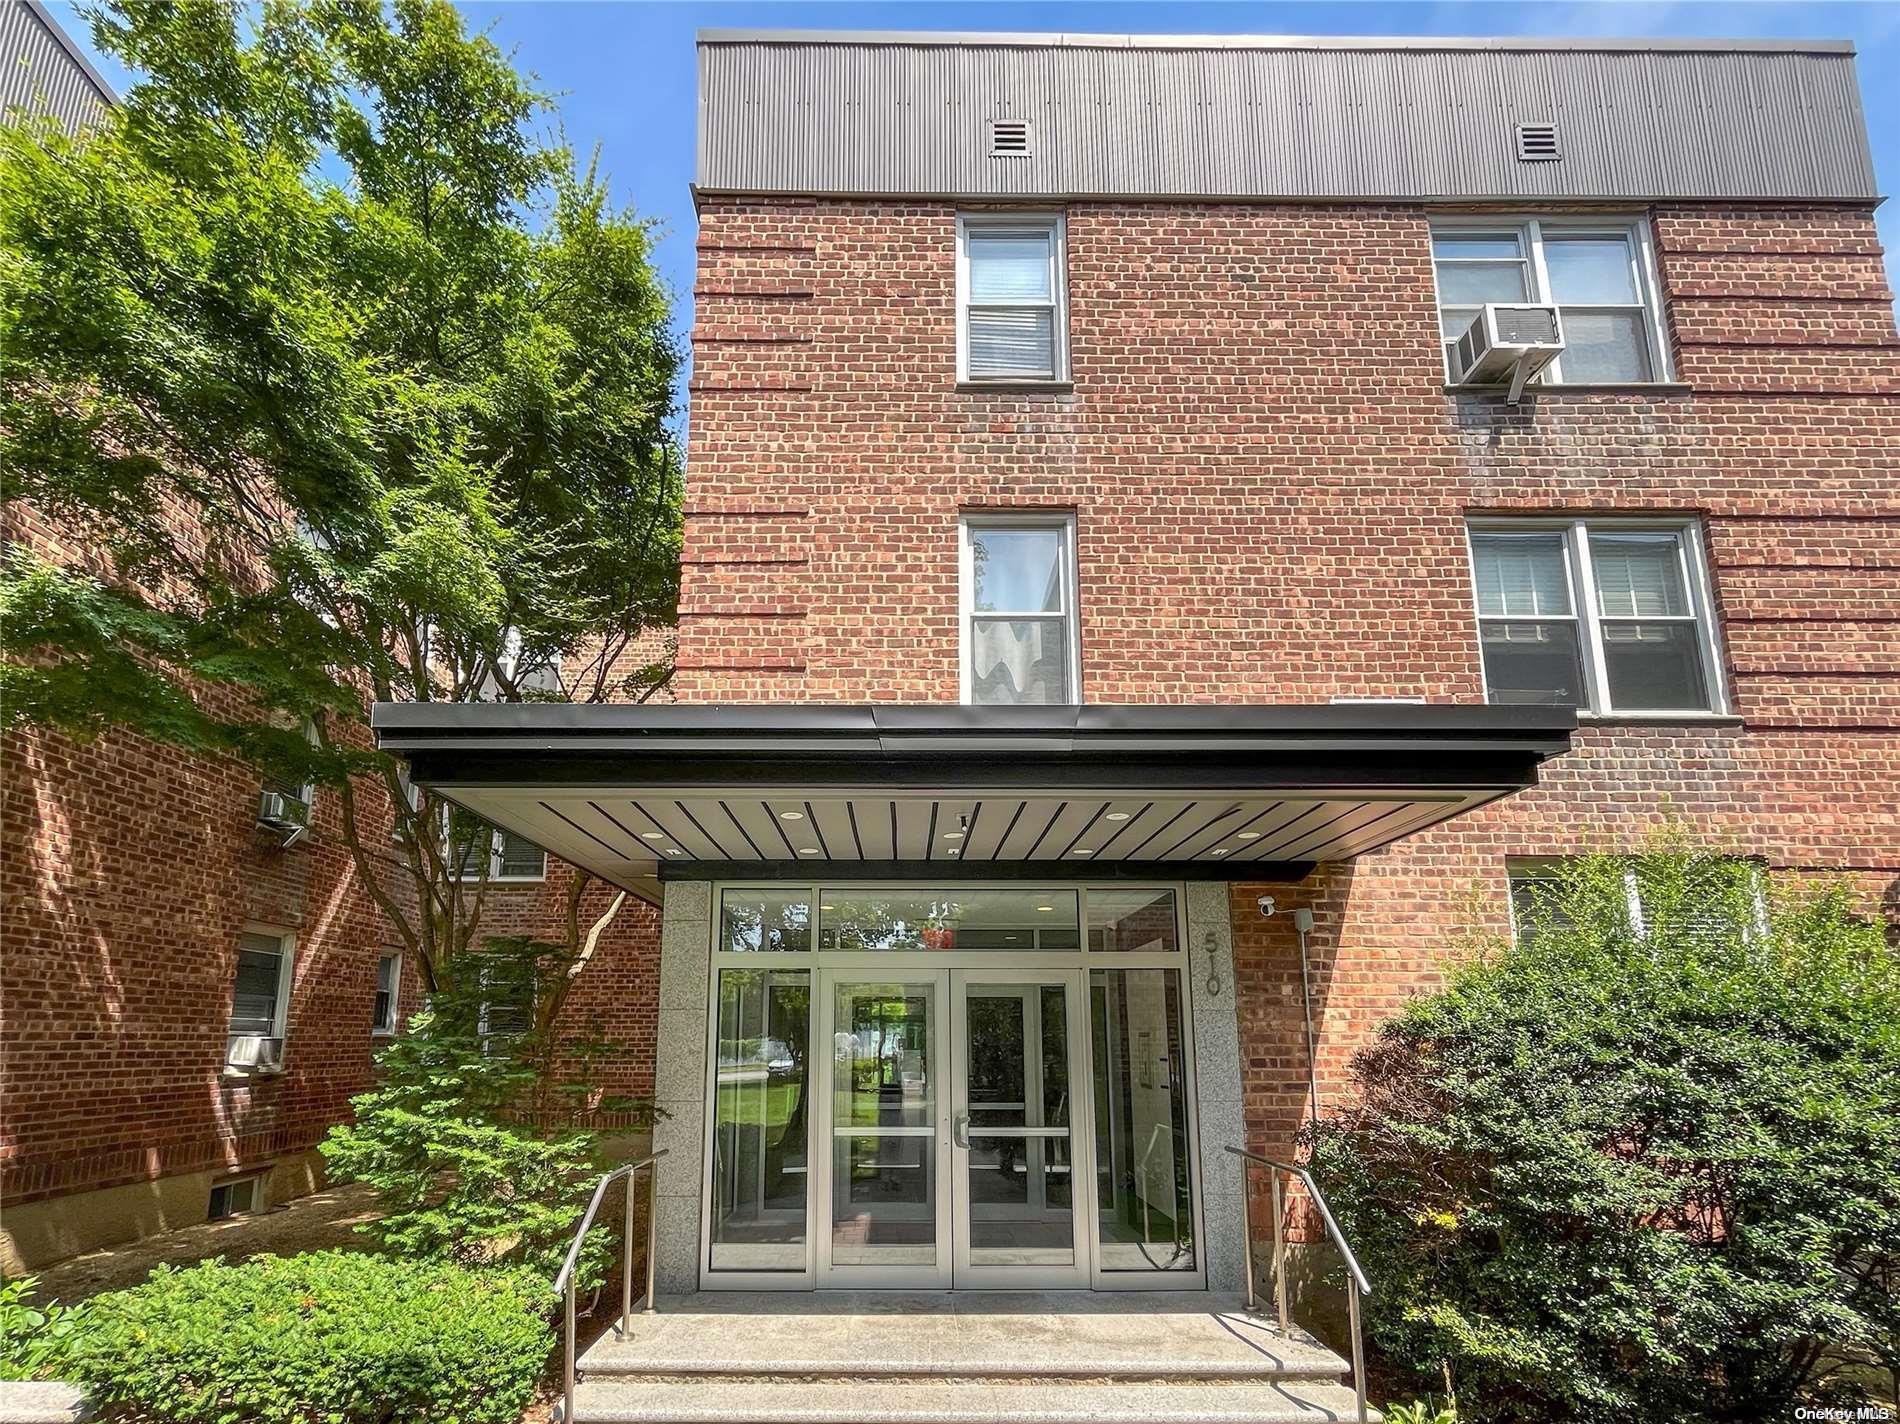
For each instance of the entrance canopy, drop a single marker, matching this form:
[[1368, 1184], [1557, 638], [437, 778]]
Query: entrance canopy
[[638, 795]]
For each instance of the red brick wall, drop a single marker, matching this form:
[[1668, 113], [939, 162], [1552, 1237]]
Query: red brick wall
[[127, 872], [1271, 485]]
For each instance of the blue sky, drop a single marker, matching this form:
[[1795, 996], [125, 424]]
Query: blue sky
[[625, 71]]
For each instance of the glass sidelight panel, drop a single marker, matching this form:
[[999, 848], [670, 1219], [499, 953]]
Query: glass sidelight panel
[[1143, 1179], [761, 1111], [1020, 1166], [884, 1137]]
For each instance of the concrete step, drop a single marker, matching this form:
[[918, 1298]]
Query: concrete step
[[1208, 1343], [41, 1402], [626, 1400]]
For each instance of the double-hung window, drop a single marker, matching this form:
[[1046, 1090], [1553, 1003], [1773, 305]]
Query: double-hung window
[[1722, 897], [1012, 307], [388, 984], [500, 855], [1018, 624], [1598, 276], [260, 1000], [1612, 616]]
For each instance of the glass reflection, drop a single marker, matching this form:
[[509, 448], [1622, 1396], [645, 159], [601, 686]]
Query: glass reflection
[[760, 1111], [1020, 1171], [948, 919], [1144, 1189], [884, 1155]]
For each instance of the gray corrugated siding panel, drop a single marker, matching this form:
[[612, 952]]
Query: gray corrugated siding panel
[[895, 119], [38, 75]]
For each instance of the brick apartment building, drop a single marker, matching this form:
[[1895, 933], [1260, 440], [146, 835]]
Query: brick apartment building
[[1092, 535], [1091, 538], [149, 918]]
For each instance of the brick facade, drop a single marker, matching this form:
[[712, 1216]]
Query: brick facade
[[128, 870], [1271, 483]]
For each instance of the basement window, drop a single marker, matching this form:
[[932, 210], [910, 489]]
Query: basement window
[[242, 1196]]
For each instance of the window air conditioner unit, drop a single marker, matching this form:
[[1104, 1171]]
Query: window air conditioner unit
[[1508, 342], [254, 1053], [286, 815]]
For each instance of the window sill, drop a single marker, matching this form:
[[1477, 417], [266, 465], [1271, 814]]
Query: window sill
[[1699, 719], [1580, 388], [250, 1075], [1017, 387]]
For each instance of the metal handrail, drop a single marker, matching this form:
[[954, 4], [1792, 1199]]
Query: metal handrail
[[564, 1278], [1357, 1286]]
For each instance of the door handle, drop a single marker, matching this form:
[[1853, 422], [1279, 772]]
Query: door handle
[[960, 1130]]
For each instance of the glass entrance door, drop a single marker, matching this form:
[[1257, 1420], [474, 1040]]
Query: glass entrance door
[[889, 1202], [1014, 1129]]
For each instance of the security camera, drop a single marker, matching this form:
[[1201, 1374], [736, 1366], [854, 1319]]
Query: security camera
[[1265, 902]]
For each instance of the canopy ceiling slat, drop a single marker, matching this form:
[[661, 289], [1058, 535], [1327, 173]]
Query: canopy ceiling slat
[[638, 795]]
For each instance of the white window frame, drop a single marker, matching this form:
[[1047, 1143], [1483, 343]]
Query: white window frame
[[966, 592], [388, 1030], [1530, 233], [1589, 615], [495, 877], [259, 1205], [286, 976], [1054, 224], [1548, 867]]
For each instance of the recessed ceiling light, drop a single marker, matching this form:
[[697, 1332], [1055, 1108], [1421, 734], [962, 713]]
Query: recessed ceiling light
[[1250, 835], [808, 850], [653, 835], [1046, 909], [953, 835], [1117, 816], [791, 815], [1218, 850]]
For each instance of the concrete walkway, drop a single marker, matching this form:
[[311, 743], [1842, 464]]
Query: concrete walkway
[[319, 1222]]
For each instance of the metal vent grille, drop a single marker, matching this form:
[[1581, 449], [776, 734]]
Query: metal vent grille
[[1010, 138], [1526, 326], [1537, 143]]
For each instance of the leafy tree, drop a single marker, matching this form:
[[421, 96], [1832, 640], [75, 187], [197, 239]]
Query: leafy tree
[[1638, 1166], [351, 387]]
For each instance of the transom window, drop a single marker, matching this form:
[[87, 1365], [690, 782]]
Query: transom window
[[1018, 623], [1012, 307], [1611, 616], [1597, 276], [930, 920]]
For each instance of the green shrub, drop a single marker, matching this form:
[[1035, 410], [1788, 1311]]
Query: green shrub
[[326, 1338], [34, 1339], [476, 1141], [1638, 1165]]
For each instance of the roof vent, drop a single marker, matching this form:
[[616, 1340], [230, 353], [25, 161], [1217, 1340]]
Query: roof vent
[[1009, 138], [1537, 143]]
